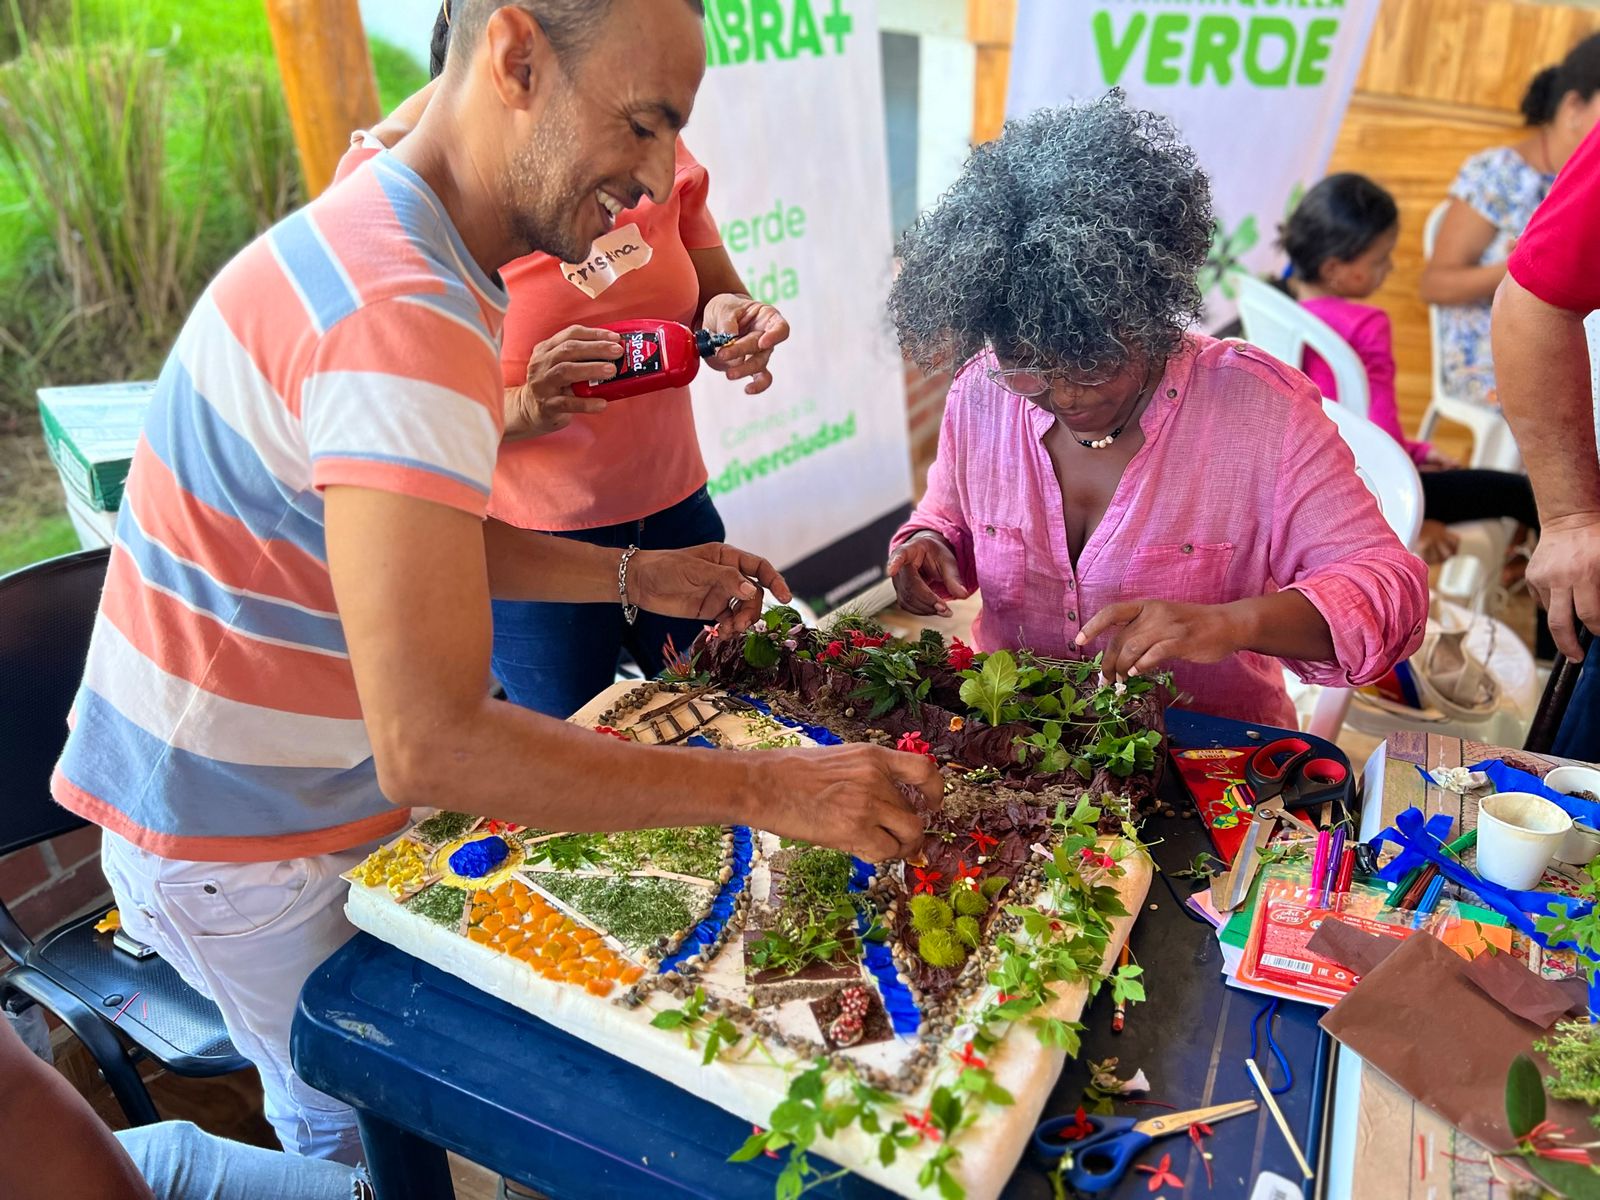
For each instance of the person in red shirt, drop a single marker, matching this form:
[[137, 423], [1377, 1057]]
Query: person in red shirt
[[1552, 283], [619, 474]]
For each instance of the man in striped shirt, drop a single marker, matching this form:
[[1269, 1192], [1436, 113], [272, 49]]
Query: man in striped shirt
[[295, 632]]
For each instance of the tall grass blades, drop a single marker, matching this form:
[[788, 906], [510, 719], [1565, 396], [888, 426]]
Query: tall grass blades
[[83, 130], [256, 139]]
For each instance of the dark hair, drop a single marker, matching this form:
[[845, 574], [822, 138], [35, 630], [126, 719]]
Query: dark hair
[[1578, 72], [439, 44], [1339, 218], [569, 25]]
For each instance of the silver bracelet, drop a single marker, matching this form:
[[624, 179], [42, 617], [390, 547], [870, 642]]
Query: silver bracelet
[[630, 612]]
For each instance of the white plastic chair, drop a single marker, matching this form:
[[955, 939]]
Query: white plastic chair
[[1284, 328], [1492, 443]]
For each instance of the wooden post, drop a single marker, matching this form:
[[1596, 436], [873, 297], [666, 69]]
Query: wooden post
[[327, 79], [989, 27]]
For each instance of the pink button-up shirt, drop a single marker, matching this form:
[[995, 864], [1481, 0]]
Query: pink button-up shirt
[[1242, 488]]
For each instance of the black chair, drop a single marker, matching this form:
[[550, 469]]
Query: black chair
[[1558, 691], [124, 1009]]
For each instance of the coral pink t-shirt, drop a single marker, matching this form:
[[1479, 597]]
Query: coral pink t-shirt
[[640, 455]]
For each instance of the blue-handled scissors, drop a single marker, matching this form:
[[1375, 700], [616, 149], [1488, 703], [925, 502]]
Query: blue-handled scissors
[[1101, 1157]]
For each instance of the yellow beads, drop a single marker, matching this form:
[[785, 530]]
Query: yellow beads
[[398, 867], [516, 920]]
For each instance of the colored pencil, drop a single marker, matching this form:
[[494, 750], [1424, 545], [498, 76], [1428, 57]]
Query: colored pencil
[[1330, 870], [1347, 871], [1120, 1015], [1319, 864]]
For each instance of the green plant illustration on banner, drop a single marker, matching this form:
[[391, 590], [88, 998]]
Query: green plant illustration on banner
[[1226, 258]]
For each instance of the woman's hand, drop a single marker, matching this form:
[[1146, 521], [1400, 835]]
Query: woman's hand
[[713, 582], [1436, 543], [1152, 632], [760, 327], [925, 574], [545, 402]]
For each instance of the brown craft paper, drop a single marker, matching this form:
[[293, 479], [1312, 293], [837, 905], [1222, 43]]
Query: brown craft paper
[[1508, 981], [1416, 1019], [1350, 947]]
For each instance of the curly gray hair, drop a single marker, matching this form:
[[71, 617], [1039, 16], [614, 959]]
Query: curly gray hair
[[1070, 243]]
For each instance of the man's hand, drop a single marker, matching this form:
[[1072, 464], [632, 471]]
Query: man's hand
[[1565, 573], [925, 574], [714, 582], [545, 402], [1152, 632], [1436, 542], [846, 798], [760, 327]]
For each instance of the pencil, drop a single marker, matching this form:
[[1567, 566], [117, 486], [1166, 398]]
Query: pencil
[[1271, 1102], [1119, 1015]]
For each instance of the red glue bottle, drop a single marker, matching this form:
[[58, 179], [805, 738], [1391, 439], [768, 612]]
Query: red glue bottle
[[655, 355]]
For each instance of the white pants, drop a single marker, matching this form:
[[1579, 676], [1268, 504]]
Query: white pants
[[248, 935]]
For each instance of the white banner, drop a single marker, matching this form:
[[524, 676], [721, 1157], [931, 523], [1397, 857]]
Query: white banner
[[1257, 87], [789, 123]]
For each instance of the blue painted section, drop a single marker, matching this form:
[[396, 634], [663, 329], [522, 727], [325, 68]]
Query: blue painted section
[[896, 996], [817, 733], [710, 929], [477, 859]]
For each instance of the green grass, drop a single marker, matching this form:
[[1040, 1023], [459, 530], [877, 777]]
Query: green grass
[[38, 536], [195, 35]]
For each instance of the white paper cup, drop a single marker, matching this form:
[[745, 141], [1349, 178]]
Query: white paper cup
[[1580, 846], [1518, 834]]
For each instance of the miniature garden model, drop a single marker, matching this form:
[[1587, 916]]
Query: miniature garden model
[[906, 1020]]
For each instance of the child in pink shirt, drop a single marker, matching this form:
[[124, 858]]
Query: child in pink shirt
[[1339, 240]]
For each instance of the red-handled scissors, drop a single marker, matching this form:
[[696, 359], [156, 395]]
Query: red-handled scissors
[[1284, 776], [1101, 1157]]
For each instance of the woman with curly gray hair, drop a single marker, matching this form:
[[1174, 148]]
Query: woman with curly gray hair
[[1108, 480]]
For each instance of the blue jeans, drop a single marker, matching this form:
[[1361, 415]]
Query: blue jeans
[[1579, 736], [554, 658], [182, 1162]]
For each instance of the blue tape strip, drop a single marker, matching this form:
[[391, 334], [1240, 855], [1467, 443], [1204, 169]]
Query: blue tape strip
[[1414, 837], [817, 733]]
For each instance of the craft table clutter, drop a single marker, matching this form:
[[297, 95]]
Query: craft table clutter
[[906, 1021]]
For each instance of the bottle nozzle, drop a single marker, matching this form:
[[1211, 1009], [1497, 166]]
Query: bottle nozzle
[[708, 343]]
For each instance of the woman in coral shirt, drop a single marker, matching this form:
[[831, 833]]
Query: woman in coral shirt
[[1109, 481], [620, 474]]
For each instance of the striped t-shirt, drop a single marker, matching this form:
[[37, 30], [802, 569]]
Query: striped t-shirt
[[355, 343]]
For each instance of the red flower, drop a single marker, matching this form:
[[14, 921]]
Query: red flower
[[964, 873], [860, 641], [982, 841], [968, 1059], [1196, 1131], [923, 1124], [834, 649], [926, 880], [494, 825], [610, 732], [960, 656], [913, 743], [1161, 1174], [1081, 1127], [758, 1131], [1005, 998], [1095, 858]]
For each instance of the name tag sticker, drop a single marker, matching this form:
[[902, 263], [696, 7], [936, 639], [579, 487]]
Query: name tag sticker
[[610, 258]]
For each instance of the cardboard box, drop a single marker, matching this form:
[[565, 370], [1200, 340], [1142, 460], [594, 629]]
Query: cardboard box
[[90, 434]]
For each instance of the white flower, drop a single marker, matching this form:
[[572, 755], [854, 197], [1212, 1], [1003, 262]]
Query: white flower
[[760, 626], [1121, 689], [790, 644]]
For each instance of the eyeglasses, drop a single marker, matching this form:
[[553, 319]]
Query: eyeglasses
[[1031, 384]]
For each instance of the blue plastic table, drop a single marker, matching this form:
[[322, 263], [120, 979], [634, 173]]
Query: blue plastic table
[[431, 1063]]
